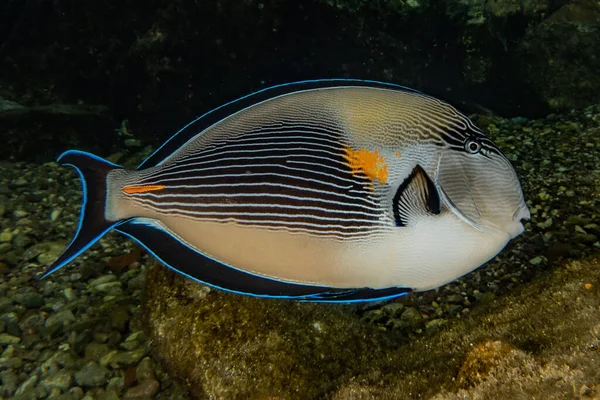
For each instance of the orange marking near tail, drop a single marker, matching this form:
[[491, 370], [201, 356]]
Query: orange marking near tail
[[141, 189], [371, 163]]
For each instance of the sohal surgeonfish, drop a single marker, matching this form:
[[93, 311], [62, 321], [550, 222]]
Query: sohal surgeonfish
[[329, 190]]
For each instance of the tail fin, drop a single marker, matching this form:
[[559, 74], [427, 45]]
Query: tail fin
[[92, 171]]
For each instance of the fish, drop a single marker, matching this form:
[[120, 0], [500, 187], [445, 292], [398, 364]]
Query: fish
[[335, 190]]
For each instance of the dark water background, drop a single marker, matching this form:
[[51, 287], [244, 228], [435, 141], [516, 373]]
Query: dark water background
[[160, 63]]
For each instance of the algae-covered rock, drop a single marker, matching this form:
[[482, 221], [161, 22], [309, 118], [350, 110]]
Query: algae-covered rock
[[539, 340]]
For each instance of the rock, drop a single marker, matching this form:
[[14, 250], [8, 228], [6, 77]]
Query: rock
[[95, 351], [21, 241], [20, 213], [119, 318], [91, 374], [58, 320], [102, 280], [51, 253], [111, 288], [144, 390], [411, 317], [28, 385], [119, 359], [55, 214], [10, 380], [144, 370], [133, 341], [61, 380], [69, 294], [6, 236], [5, 338], [29, 299], [268, 339]]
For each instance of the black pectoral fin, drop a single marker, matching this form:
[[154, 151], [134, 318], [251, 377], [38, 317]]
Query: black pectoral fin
[[416, 196], [187, 261]]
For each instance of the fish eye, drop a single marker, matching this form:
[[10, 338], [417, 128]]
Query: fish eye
[[472, 146]]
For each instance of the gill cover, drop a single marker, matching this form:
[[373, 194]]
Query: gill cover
[[481, 189]]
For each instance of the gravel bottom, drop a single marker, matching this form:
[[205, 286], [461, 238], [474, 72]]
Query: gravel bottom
[[78, 334]]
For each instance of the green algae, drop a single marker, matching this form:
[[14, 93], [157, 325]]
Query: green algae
[[542, 338]]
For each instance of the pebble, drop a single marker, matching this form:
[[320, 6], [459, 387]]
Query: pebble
[[536, 260], [411, 317], [119, 318], [62, 380], [91, 374], [20, 213], [6, 338], [102, 280], [29, 299], [144, 370], [144, 390], [28, 385], [60, 319], [117, 359], [10, 380], [69, 294], [6, 236], [55, 214]]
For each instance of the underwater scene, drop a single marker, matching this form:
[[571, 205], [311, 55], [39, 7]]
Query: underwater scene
[[324, 199]]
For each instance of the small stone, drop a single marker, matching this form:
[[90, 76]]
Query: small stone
[[133, 341], [6, 236], [95, 350], [113, 288], [117, 359], [144, 390], [29, 299], [20, 181], [435, 324], [55, 214], [411, 317], [28, 385], [5, 338], [21, 241], [10, 380], [91, 374], [392, 308], [102, 280], [69, 294], [144, 370], [53, 251], [536, 260], [11, 363], [119, 317], [61, 380], [455, 299], [20, 213], [34, 251], [60, 319]]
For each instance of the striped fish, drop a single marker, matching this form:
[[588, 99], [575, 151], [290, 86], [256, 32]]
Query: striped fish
[[329, 190]]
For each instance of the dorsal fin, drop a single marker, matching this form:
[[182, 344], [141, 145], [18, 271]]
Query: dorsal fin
[[204, 121]]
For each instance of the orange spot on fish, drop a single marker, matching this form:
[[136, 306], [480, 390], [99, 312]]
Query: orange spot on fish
[[370, 163], [141, 189], [397, 154]]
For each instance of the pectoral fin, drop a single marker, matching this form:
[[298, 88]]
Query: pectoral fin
[[416, 197]]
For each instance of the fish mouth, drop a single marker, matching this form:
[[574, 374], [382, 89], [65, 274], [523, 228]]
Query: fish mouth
[[517, 227]]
